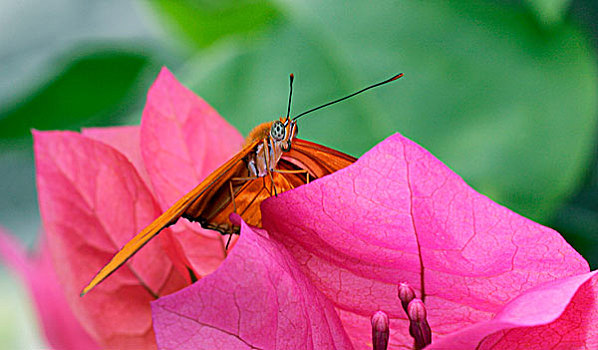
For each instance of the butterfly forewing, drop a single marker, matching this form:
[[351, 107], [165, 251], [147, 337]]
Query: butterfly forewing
[[200, 194], [228, 190]]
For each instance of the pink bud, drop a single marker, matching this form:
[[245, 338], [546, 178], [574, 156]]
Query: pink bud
[[380, 330], [406, 294], [418, 325], [416, 310]]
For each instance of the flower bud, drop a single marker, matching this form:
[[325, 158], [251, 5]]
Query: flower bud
[[416, 310], [380, 330], [418, 325], [406, 294]]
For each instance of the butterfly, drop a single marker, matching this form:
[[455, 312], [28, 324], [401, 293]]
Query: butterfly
[[273, 160]]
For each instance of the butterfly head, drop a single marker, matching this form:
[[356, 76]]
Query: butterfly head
[[283, 131]]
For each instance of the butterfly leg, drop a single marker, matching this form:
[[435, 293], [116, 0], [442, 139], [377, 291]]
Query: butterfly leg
[[273, 184], [232, 198], [267, 149], [230, 237], [281, 171], [294, 172], [232, 191]]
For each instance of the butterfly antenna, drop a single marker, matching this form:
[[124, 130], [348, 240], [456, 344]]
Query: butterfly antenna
[[348, 96], [291, 77]]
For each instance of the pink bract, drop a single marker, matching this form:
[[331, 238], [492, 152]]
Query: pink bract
[[331, 253], [493, 279], [92, 201], [99, 188], [179, 149], [557, 315], [60, 327], [362, 230], [257, 299]]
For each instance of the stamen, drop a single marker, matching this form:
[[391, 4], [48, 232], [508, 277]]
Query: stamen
[[406, 294], [380, 330], [418, 325]]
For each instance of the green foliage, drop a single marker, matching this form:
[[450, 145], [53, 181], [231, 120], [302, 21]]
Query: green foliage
[[578, 218], [92, 89], [508, 106], [505, 95], [549, 12], [204, 22]]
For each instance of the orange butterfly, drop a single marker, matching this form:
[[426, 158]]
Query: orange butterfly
[[272, 161]]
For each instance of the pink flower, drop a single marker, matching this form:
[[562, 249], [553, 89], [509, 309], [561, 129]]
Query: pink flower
[[60, 327], [484, 277], [99, 188], [324, 272]]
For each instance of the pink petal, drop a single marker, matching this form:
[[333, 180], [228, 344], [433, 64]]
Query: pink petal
[[92, 202], [258, 298], [360, 231], [126, 140], [557, 315], [183, 140], [185, 246], [59, 325]]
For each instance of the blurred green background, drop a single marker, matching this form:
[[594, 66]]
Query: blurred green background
[[504, 92]]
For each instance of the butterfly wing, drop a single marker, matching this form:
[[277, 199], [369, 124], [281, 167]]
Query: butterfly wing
[[211, 202], [247, 200], [318, 160], [245, 196], [234, 167]]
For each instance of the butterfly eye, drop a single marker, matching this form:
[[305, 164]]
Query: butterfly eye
[[278, 131]]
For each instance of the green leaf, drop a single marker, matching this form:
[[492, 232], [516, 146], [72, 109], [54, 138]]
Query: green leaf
[[92, 89], [577, 219], [204, 22], [509, 107], [549, 12]]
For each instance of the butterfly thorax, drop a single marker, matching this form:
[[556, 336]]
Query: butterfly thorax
[[260, 132], [273, 139]]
